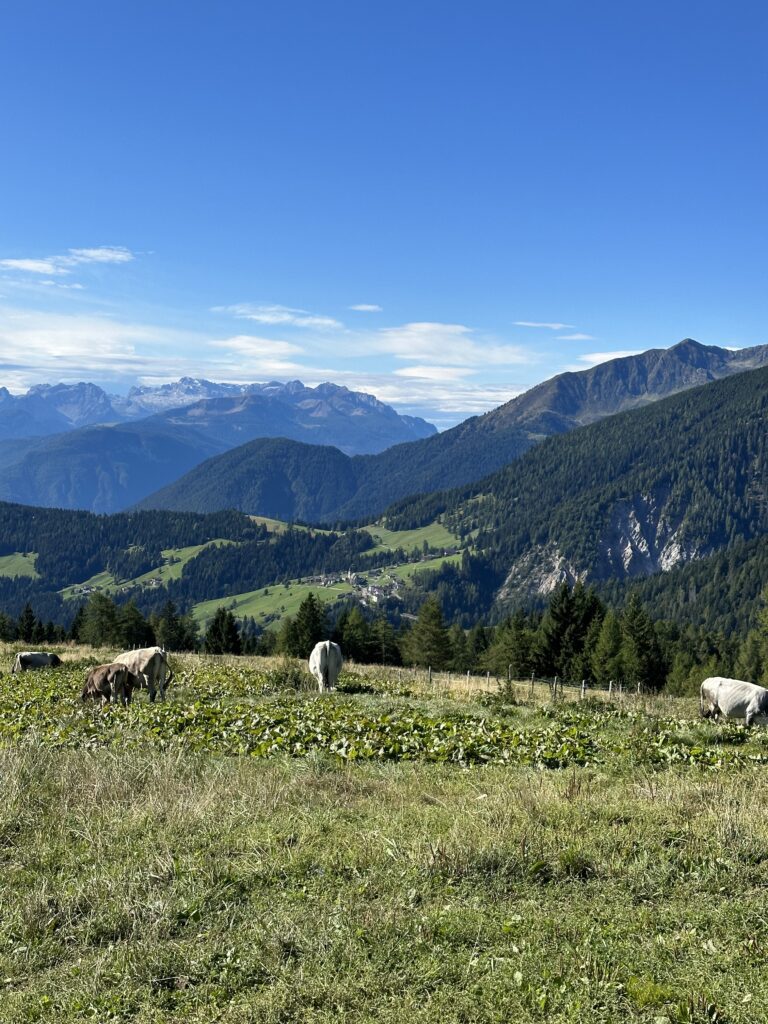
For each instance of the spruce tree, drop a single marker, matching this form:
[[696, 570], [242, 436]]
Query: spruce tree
[[25, 627], [99, 625], [223, 633], [640, 654], [309, 626], [605, 658], [428, 643]]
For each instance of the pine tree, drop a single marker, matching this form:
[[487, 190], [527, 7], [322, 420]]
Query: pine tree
[[99, 625], [223, 633], [640, 654], [25, 627], [428, 643], [383, 644], [309, 627], [354, 636], [131, 628], [605, 660]]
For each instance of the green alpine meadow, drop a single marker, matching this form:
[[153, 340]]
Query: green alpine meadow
[[412, 846]]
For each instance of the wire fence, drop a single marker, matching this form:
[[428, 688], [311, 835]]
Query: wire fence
[[555, 687]]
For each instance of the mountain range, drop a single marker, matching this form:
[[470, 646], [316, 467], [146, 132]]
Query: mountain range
[[73, 446], [671, 497], [281, 480]]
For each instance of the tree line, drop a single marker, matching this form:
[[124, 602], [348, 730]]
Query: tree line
[[575, 637]]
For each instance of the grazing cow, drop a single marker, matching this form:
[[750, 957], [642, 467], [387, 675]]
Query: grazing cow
[[325, 663], [110, 682], [150, 664], [27, 660], [734, 698]]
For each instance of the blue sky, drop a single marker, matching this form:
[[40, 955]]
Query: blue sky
[[440, 203]]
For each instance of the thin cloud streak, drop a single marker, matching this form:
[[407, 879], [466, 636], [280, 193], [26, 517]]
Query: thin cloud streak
[[283, 316], [365, 307], [53, 266], [595, 358], [548, 326]]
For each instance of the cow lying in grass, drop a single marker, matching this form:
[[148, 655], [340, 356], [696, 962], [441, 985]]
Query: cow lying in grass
[[151, 666], [26, 660], [110, 683], [734, 698]]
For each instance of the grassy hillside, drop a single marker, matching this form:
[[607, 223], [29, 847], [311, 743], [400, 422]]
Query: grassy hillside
[[375, 857], [270, 604], [434, 535], [19, 564], [171, 568]]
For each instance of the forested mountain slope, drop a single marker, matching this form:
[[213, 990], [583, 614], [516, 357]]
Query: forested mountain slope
[[472, 449], [635, 494]]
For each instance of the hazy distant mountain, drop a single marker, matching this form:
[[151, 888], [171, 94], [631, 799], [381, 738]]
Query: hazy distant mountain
[[352, 421], [106, 468], [227, 413], [53, 408], [469, 451]]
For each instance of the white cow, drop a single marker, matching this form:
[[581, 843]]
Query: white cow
[[150, 664], [325, 663], [26, 660], [734, 698]]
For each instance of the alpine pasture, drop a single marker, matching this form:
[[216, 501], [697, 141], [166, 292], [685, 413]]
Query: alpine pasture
[[453, 851]]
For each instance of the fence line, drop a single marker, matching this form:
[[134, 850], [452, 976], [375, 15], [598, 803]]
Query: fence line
[[556, 686]]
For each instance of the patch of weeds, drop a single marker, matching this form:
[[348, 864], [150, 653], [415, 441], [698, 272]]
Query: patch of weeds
[[644, 992], [576, 864], [697, 1009], [289, 675]]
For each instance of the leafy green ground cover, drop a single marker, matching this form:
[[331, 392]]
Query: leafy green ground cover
[[19, 564], [148, 878]]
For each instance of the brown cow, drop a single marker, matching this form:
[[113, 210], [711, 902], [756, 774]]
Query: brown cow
[[110, 682]]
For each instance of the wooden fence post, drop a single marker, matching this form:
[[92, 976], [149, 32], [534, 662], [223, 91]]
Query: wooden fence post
[[583, 687]]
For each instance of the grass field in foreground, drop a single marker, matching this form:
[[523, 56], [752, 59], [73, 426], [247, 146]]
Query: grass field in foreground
[[147, 881]]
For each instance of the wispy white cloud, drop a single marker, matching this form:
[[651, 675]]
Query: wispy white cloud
[[283, 316], [245, 358], [40, 347], [594, 358], [248, 344], [42, 266], [365, 307], [575, 337], [102, 254], [536, 323], [441, 373], [54, 266], [445, 344]]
